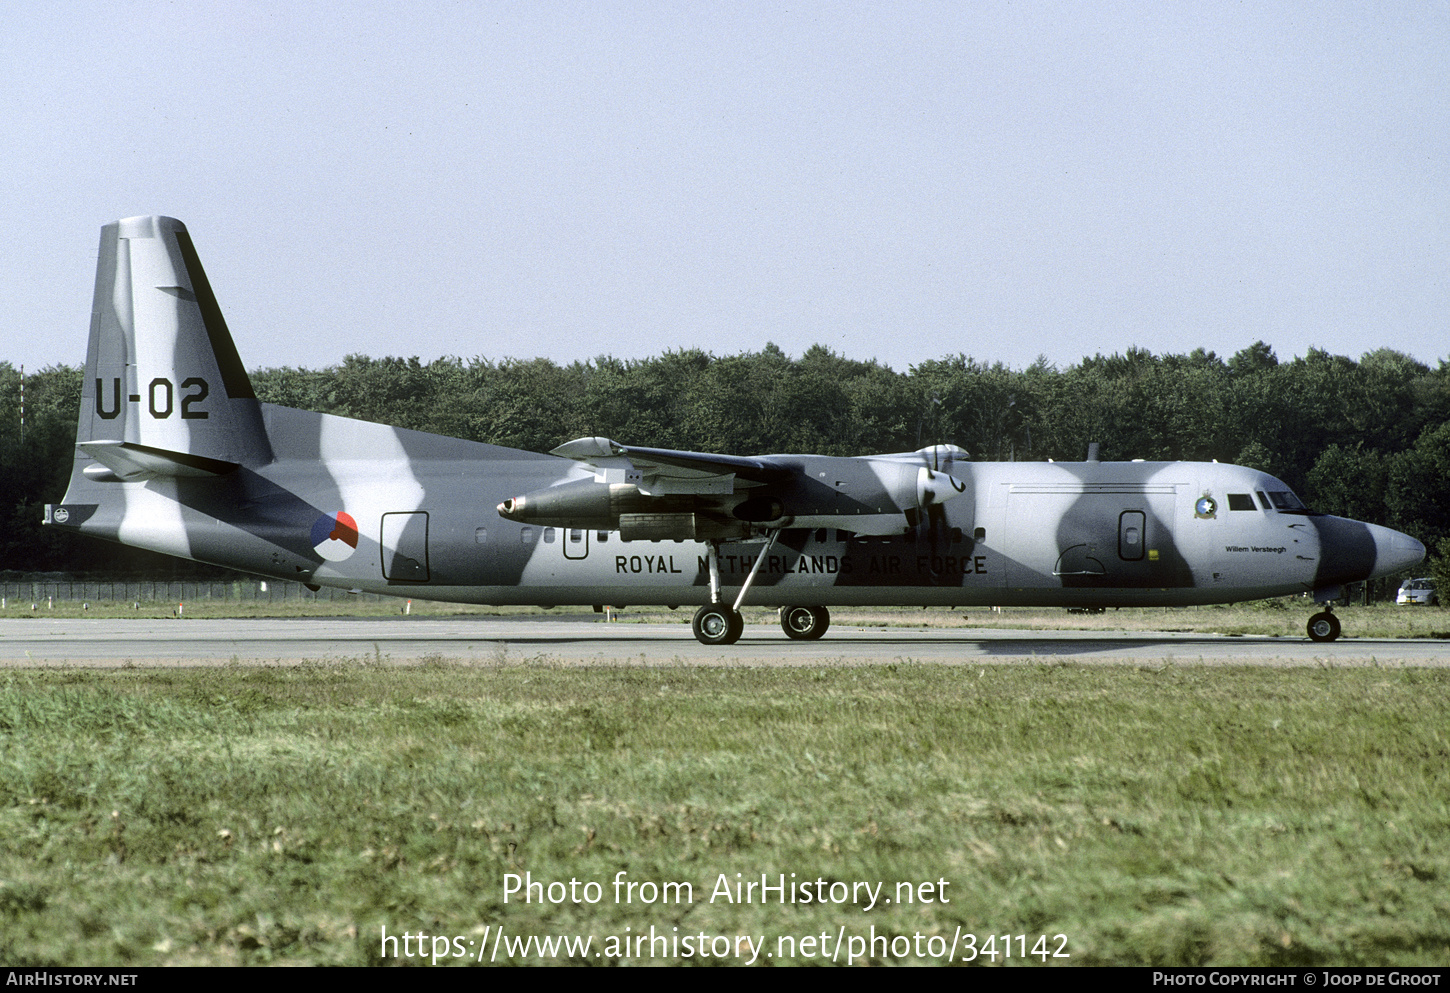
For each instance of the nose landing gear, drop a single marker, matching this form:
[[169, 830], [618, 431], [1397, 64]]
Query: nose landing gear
[[1323, 626]]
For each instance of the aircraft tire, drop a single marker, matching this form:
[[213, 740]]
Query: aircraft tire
[[1323, 626], [737, 626], [805, 623], [717, 624]]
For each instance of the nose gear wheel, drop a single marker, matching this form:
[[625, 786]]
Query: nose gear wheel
[[1323, 626]]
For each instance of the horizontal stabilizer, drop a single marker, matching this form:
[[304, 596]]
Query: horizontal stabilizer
[[123, 460]]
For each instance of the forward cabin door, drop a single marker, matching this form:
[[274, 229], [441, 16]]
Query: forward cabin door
[[1108, 536]]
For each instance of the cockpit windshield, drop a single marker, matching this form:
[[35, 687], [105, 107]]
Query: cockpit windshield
[[1283, 501]]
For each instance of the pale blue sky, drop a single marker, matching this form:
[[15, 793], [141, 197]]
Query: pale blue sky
[[898, 181]]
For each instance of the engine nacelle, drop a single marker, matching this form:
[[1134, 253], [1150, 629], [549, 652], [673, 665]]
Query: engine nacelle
[[591, 505], [585, 503]]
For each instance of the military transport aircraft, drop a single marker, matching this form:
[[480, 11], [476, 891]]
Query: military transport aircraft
[[174, 453]]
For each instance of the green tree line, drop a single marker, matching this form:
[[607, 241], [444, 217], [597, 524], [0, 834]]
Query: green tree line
[[1368, 439]]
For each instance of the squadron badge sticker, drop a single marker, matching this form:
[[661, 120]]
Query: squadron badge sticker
[[1205, 508]]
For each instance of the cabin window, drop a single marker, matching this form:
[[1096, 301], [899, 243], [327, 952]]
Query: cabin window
[[821, 535], [480, 536], [980, 534], [548, 536], [1240, 501], [1130, 535], [956, 536], [601, 536], [526, 535]]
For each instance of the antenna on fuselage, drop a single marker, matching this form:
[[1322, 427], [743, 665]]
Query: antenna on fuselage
[[1092, 451]]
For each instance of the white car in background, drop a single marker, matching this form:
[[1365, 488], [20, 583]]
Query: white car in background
[[1417, 591]]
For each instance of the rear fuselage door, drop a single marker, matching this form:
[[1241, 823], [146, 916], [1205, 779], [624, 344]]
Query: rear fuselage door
[[576, 543], [405, 547]]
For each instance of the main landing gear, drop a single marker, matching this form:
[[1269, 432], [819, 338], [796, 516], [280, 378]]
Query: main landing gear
[[1323, 626], [805, 623], [719, 623]]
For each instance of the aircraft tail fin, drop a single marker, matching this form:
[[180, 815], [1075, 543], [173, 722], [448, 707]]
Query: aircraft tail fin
[[165, 393]]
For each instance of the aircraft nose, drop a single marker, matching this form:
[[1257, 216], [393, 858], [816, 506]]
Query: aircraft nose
[[1394, 551]]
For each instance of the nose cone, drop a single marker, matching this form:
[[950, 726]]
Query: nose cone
[[1351, 551], [1394, 551]]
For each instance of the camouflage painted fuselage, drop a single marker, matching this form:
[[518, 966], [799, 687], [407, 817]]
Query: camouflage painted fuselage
[[424, 524]]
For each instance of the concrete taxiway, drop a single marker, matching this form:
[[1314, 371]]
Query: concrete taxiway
[[111, 643]]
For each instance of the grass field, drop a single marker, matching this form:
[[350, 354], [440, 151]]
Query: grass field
[[1164, 815]]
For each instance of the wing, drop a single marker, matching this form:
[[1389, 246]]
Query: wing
[[660, 493], [665, 463]]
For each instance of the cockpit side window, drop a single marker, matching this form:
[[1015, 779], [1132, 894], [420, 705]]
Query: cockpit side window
[[1240, 501], [1264, 500]]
